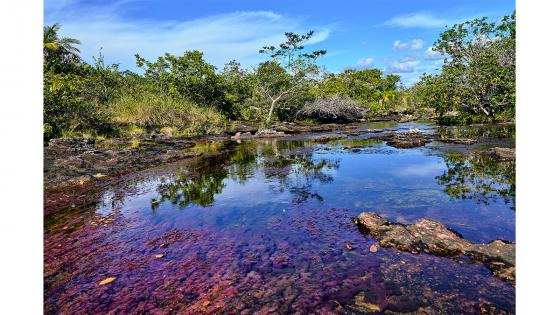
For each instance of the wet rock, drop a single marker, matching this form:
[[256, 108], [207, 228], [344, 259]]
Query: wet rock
[[68, 162], [500, 154], [242, 135], [263, 133], [291, 128], [432, 237], [457, 141], [408, 139], [269, 133], [243, 129], [327, 138]]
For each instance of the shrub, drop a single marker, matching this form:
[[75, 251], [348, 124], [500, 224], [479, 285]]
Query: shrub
[[69, 107], [154, 112], [333, 109]]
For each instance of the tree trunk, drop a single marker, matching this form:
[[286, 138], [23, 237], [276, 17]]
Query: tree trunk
[[270, 113]]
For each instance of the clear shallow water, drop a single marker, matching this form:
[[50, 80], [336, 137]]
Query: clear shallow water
[[266, 227]]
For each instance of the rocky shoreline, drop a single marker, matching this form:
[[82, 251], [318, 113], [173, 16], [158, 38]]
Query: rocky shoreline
[[432, 237], [70, 162]]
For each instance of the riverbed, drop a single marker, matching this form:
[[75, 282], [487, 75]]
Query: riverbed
[[266, 226]]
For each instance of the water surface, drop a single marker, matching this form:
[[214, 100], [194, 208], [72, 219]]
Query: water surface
[[266, 227]]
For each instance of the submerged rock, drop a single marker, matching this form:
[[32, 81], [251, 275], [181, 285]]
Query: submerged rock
[[434, 238]]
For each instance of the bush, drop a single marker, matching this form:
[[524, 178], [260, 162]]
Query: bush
[[333, 109], [155, 112], [69, 107]]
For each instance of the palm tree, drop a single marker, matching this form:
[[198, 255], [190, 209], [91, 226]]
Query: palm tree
[[64, 46]]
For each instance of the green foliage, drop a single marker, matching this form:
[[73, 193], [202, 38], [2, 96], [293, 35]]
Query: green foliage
[[188, 76], [59, 54], [153, 112], [284, 82], [367, 86], [477, 80], [237, 86], [69, 106]]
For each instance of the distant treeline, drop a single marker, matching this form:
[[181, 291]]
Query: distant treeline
[[185, 95]]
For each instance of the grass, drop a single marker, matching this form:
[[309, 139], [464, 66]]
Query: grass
[[149, 112]]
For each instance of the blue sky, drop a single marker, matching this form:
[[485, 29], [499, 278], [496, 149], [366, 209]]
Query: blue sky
[[394, 36]]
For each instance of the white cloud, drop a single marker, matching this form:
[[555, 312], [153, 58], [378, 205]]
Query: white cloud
[[222, 37], [414, 44], [427, 169], [402, 66], [398, 45], [431, 54], [418, 19], [365, 62]]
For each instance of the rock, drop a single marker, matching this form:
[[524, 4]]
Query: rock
[[432, 237], [500, 154], [327, 138], [269, 133], [242, 129], [405, 140], [291, 128], [71, 162], [457, 141]]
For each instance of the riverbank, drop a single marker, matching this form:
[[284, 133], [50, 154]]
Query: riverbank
[[71, 162]]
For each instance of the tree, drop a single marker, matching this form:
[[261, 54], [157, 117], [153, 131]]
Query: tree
[[285, 77], [368, 87], [237, 86], [57, 50], [188, 76], [479, 70]]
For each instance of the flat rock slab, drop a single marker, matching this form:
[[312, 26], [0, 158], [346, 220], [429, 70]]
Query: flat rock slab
[[408, 139], [464, 141], [432, 237], [69, 162]]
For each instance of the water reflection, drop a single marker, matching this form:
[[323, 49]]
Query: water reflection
[[286, 165], [478, 132], [480, 178]]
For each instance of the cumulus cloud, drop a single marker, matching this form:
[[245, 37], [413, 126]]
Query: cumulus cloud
[[221, 37], [406, 66], [365, 62], [431, 54], [418, 19], [414, 44]]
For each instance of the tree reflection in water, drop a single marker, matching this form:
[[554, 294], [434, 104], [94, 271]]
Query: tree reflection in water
[[288, 165], [477, 177]]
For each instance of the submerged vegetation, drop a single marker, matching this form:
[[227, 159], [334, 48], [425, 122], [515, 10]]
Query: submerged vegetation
[[186, 95]]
